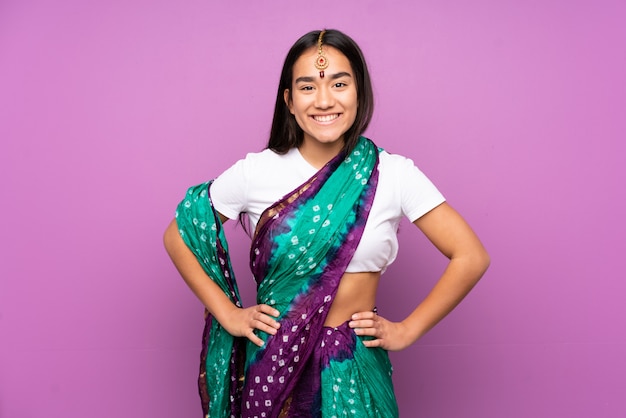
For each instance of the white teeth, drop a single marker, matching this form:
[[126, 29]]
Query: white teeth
[[326, 118]]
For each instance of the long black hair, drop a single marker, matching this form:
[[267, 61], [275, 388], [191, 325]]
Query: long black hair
[[286, 133]]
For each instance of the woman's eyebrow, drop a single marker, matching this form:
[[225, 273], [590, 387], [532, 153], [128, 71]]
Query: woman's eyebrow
[[304, 79], [340, 74], [309, 79]]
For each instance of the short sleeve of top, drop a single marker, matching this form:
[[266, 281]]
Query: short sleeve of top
[[260, 179]]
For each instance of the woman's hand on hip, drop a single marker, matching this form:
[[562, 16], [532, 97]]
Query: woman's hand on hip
[[389, 335], [242, 322]]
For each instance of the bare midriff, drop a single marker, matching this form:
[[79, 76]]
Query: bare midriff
[[356, 293]]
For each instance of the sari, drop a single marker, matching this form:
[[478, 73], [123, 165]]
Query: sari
[[300, 250]]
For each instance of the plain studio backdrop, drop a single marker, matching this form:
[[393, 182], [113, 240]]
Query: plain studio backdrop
[[109, 110]]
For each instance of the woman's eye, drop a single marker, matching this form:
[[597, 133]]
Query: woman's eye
[[306, 88], [340, 84]]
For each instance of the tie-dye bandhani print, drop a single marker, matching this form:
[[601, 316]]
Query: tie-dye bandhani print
[[301, 248]]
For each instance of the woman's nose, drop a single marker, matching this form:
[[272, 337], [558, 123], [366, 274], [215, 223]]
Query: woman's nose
[[324, 98]]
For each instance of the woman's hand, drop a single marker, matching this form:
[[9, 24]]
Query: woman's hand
[[389, 335], [243, 322]]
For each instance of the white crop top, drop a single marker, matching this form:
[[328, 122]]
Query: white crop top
[[254, 183]]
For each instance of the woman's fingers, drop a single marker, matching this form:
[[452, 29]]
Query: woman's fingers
[[255, 339], [266, 309], [367, 326], [265, 324], [267, 314], [261, 318], [365, 322]]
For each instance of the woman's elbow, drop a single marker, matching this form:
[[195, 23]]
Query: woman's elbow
[[171, 236], [482, 261]]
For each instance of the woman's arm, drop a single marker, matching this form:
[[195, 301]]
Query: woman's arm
[[237, 321], [469, 260]]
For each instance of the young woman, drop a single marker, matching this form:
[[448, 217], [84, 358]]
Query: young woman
[[324, 204]]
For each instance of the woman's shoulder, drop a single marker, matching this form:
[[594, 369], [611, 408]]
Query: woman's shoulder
[[267, 156], [269, 166], [396, 163], [404, 179], [262, 155]]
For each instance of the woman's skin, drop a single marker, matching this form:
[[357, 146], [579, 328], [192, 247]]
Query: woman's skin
[[325, 108]]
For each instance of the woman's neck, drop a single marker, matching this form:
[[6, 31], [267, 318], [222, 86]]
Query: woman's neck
[[319, 154]]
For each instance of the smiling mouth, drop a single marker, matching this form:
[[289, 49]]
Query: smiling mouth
[[326, 118]]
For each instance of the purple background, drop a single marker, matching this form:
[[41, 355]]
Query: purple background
[[110, 109]]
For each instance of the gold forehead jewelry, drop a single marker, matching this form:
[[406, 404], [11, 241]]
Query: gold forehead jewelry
[[321, 62]]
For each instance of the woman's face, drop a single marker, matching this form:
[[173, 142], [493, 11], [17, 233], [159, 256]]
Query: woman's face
[[324, 107]]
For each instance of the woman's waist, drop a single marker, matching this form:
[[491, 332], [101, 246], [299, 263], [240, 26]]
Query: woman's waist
[[356, 293]]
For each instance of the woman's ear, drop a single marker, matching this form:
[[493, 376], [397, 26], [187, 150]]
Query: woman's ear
[[287, 97]]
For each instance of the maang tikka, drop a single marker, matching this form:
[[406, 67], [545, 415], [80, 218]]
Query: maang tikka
[[321, 62]]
